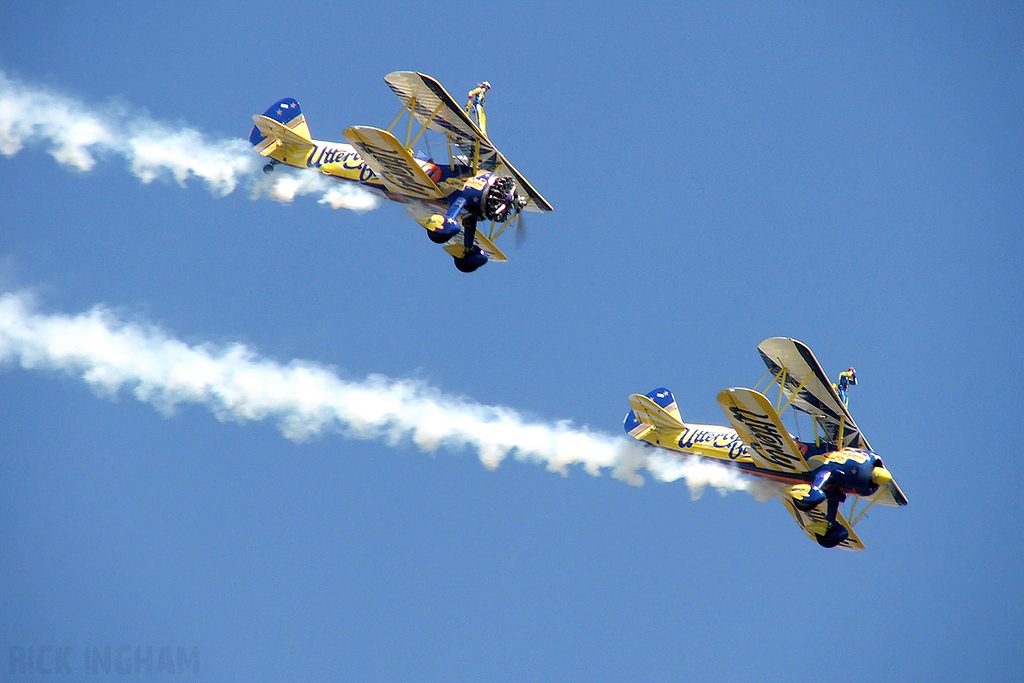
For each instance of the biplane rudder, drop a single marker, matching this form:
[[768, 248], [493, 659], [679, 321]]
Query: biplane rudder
[[666, 400], [288, 113], [654, 418]]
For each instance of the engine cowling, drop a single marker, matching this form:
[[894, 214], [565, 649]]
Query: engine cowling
[[501, 200], [848, 470], [491, 197]]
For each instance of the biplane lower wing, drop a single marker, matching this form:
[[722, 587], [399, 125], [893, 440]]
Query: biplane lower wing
[[810, 390], [392, 163], [456, 246], [814, 524], [891, 494], [436, 109], [758, 425]]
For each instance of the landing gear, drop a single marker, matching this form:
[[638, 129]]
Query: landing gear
[[806, 505], [833, 536], [439, 237], [471, 261], [269, 168], [836, 533], [473, 257]]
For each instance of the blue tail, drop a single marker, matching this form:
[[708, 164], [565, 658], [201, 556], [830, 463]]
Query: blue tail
[[664, 399], [284, 111]]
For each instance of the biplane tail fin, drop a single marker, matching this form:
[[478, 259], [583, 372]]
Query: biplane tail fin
[[282, 125], [653, 416]]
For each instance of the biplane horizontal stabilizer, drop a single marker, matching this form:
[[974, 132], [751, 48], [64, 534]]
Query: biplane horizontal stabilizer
[[650, 413], [650, 421], [277, 134]]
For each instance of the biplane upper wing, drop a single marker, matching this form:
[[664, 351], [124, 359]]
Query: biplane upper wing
[[436, 109], [535, 202], [756, 422], [808, 388], [392, 163], [814, 522]]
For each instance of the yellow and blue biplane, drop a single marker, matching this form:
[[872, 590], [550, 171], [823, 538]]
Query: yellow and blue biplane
[[449, 199], [815, 477]]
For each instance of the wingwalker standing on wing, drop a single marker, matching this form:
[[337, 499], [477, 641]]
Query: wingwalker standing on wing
[[838, 463], [846, 380], [449, 198], [475, 106]]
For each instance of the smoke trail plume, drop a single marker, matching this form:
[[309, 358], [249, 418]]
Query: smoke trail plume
[[306, 399], [77, 135]]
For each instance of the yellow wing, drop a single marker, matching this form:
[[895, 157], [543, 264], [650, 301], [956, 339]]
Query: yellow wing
[[808, 389], [392, 163], [436, 109], [803, 381], [814, 523], [752, 416], [456, 246]]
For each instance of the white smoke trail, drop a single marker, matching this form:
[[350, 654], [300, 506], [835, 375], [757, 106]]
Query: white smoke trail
[[307, 399], [77, 134]]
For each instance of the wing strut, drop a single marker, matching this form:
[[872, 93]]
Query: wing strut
[[853, 508], [763, 377], [408, 125], [404, 109], [780, 379], [423, 129], [796, 392], [410, 108], [495, 235]]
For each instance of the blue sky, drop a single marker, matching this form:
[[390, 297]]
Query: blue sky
[[846, 174]]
